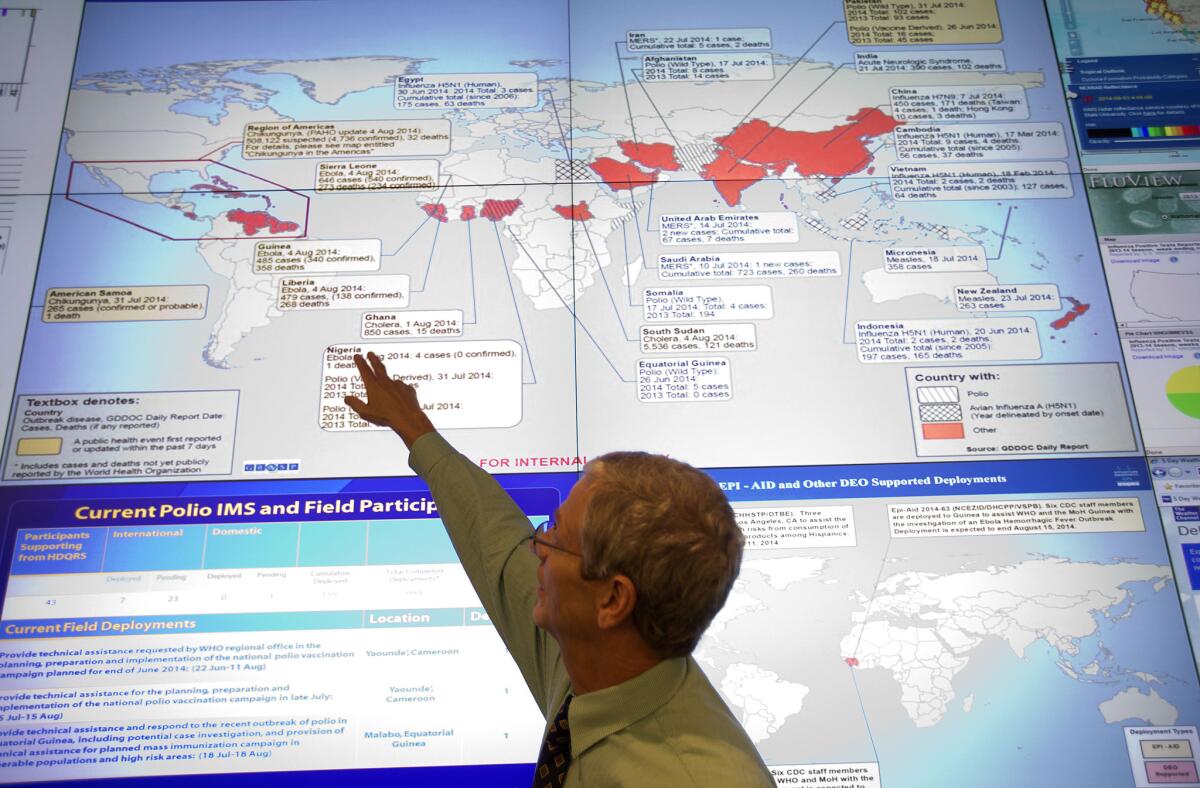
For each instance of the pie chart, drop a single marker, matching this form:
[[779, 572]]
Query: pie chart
[[1183, 391]]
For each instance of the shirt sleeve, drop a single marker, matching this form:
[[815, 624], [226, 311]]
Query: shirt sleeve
[[489, 531]]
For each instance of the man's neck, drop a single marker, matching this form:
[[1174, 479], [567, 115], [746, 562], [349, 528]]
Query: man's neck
[[607, 662]]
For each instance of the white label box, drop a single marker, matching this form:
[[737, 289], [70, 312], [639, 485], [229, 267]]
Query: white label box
[[981, 141], [317, 257], [377, 291], [407, 325], [679, 229], [467, 91], [1007, 298], [1014, 518], [953, 339], [747, 265], [665, 304], [122, 435], [703, 40], [356, 176], [930, 104], [1000, 181], [113, 304], [787, 527], [707, 68], [327, 139], [461, 385], [894, 22], [725, 337], [684, 380], [1021, 409], [827, 775], [969, 60], [933, 259]]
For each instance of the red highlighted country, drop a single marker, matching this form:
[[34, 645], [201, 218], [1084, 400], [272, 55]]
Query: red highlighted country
[[577, 213], [655, 155], [253, 221], [495, 210], [620, 175], [835, 153], [467, 213], [435, 210], [731, 177], [1076, 310]]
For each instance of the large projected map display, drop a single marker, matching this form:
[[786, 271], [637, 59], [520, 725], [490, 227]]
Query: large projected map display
[[844, 257]]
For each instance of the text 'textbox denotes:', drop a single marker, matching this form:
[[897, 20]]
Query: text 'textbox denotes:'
[[329, 139], [746, 265], [684, 380], [1016, 518], [364, 176], [920, 104], [730, 302], [681, 229], [980, 141], [999, 181], [460, 384], [117, 304], [377, 291], [122, 435], [509, 90], [786, 527], [317, 257], [955, 339]]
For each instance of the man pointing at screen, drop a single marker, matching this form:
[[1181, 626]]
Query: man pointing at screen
[[600, 606]]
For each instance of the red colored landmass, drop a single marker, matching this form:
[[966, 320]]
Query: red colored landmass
[[577, 213], [622, 175], [835, 153], [495, 210], [468, 213], [253, 221], [188, 214], [223, 189], [852, 661], [435, 210], [1077, 309], [655, 155], [731, 177]]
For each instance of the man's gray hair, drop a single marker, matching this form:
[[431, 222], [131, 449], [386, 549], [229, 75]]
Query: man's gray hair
[[669, 529]]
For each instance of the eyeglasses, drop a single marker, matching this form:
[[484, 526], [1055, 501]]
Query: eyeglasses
[[538, 537]]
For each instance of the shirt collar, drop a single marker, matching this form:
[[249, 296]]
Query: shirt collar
[[599, 714]]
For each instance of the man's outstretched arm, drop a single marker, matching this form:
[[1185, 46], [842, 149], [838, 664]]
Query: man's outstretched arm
[[487, 528]]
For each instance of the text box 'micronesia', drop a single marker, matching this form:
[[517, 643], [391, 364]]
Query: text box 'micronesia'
[[933, 259], [508, 90], [898, 22], [340, 176], [667, 304], [326, 139], [922, 104], [702, 40], [722, 338], [1007, 298], [707, 68], [126, 434], [969, 60], [981, 141], [317, 257], [395, 324], [1016, 518], [757, 265], [684, 379], [1000, 181], [377, 291], [118, 304], [681, 229], [462, 384], [955, 339], [786, 527]]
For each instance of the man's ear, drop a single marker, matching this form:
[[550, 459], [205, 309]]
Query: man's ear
[[616, 599]]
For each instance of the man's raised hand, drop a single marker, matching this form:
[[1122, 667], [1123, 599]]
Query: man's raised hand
[[390, 403]]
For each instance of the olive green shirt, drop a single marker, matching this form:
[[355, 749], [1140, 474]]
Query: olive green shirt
[[666, 727]]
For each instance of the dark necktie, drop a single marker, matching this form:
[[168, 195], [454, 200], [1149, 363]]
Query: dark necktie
[[555, 756]]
